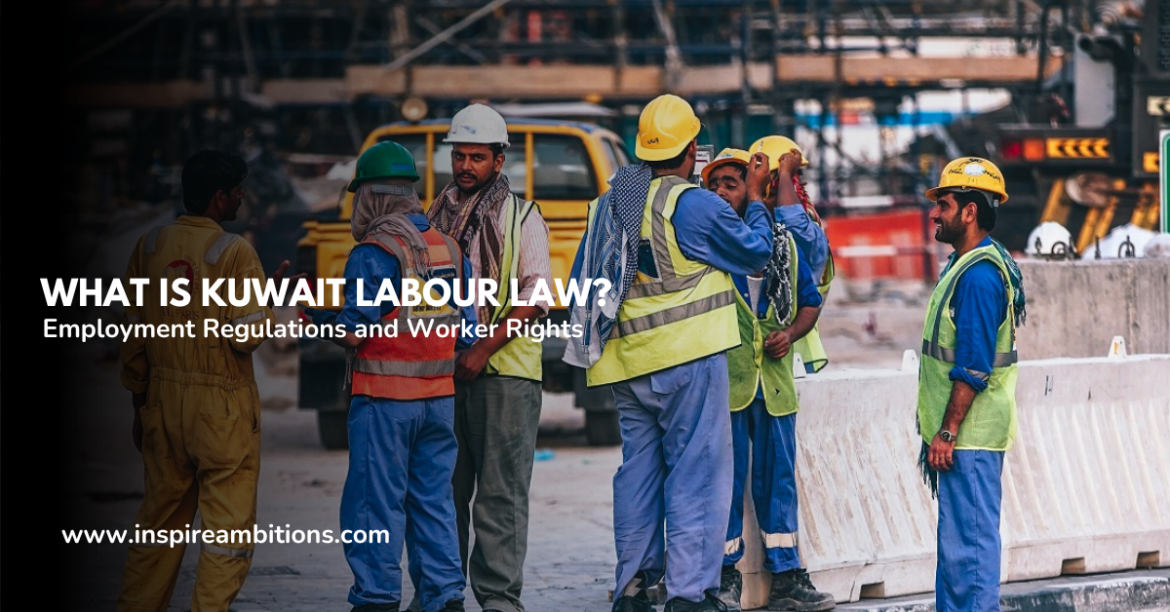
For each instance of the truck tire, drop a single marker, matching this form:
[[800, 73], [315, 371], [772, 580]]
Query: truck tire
[[333, 427], [602, 428]]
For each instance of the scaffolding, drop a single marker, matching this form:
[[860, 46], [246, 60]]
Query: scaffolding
[[315, 76]]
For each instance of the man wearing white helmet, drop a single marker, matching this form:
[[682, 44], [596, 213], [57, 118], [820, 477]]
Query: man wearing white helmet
[[497, 391]]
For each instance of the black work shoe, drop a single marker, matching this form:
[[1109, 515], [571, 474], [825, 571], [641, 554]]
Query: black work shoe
[[390, 607], [453, 605], [730, 587], [639, 602], [710, 603], [792, 590]]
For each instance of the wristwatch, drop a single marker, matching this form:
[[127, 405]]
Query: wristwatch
[[946, 436]]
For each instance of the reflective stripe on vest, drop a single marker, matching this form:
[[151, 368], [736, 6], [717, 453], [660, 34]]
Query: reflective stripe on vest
[[521, 357], [991, 421], [686, 312], [437, 367], [749, 367], [931, 346], [407, 366], [673, 314]]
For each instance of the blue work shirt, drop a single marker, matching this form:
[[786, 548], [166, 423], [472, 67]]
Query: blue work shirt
[[373, 265], [810, 238], [806, 296], [708, 231], [980, 306]]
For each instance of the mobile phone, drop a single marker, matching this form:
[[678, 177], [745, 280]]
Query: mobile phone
[[703, 156]]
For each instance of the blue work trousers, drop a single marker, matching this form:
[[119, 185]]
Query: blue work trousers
[[771, 442], [676, 469], [969, 496], [401, 457]]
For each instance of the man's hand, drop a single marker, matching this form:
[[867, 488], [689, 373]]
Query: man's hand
[[279, 273], [138, 401], [941, 455], [777, 344], [471, 362], [757, 177], [789, 163]]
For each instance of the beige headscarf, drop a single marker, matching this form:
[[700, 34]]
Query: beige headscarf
[[383, 208]]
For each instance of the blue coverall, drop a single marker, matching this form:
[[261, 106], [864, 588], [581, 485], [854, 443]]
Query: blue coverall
[[810, 238], [676, 436], [773, 454], [402, 455], [970, 493]]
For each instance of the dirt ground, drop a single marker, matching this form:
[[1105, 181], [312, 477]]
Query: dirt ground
[[571, 556]]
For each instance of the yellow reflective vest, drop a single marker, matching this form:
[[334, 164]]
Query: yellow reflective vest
[[749, 368], [990, 423], [679, 311], [521, 356], [810, 348]]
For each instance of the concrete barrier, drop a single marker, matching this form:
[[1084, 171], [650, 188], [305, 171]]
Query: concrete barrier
[[1076, 307], [1086, 487]]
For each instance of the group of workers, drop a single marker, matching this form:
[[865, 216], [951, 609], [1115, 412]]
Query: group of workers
[[713, 292]]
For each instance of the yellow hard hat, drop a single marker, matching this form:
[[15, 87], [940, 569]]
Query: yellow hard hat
[[971, 173], [667, 125], [726, 156], [774, 147]]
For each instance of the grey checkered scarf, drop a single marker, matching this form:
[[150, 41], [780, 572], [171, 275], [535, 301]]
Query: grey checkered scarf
[[610, 253]]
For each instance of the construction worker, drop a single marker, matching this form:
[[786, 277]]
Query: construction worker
[[775, 308], [802, 220], [402, 445], [669, 249], [498, 379], [196, 406], [967, 383]]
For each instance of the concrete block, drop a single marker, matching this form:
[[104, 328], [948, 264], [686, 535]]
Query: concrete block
[[1075, 308], [1086, 486]]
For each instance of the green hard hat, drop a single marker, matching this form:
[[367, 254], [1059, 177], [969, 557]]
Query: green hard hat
[[385, 160]]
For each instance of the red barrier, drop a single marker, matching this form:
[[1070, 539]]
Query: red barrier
[[888, 245]]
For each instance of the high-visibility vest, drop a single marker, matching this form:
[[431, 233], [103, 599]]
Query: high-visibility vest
[[406, 366], [990, 423], [749, 367], [522, 356], [677, 310], [810, 348]]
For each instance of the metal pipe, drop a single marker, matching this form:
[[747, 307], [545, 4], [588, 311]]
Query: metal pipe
[[443, 36], [123, 35]]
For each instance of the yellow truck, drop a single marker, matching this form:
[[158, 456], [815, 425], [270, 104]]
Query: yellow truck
[[560, 165]]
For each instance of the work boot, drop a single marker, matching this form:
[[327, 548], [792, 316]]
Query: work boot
[[730, 587], [390, 607], [453, 605], [792, 590], [639, 601], [710, 603]]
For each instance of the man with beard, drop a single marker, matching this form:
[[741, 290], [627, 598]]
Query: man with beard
[[497, 390], [967, 383], [775, 308], [401, 442]]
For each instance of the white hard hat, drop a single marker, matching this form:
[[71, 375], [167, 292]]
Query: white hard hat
[[1048, 239], [478, 124]]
